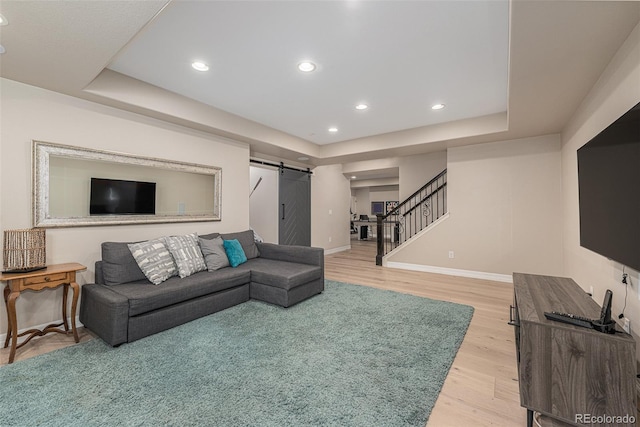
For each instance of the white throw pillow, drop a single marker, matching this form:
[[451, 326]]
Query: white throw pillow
[[186, 253], [154, 260]]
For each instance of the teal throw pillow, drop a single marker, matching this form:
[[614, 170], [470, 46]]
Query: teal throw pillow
[[234, 251]]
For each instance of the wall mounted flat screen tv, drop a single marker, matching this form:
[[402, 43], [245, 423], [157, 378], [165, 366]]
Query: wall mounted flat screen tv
[[609, 188], [119, 197]]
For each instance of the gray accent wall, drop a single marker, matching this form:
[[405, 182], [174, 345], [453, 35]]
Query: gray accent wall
[[294, 196]]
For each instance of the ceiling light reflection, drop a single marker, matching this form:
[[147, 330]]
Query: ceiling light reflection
[[200, 66], [306, 66]]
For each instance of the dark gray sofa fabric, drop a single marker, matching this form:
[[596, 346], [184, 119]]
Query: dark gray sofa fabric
[[283, 282], [144, 296], [119, 266], [285, 298], [105, 312], [282, 274], [178, 314], [299, 254], [127, 307]]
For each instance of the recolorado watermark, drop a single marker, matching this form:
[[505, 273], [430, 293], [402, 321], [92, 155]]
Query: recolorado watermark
[[604, 419]]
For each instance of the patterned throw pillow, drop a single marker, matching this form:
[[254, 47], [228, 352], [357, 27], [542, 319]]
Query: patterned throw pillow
[[214, 255], [154, 260], [186, 253], [235, 253]]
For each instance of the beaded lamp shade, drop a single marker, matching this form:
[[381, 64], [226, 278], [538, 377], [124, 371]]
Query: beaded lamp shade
[[24, 250]]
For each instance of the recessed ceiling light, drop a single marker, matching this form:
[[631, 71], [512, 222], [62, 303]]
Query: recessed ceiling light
[[3, 20], [353, 177], [303, 158], [333, 129], [362, 107], [438, 107], [306, 66], [200, 66]]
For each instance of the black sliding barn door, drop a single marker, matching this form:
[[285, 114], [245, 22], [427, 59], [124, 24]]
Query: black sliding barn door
[[295, 208]]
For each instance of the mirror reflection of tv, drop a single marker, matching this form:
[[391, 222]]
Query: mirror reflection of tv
[[120, 197], [609, 184], [377, 208]]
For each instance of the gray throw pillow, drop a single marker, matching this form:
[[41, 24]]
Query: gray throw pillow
[[208, 236], [247, 241], [154, 260], [186, 254], [214, 254]]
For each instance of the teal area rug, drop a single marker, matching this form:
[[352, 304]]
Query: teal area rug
[[352, 356]]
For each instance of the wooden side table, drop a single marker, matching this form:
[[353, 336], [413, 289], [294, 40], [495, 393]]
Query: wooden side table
[[49, 278]]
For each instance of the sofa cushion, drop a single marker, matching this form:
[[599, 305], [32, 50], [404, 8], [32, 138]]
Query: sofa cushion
[[209, 236], [246, 239], [119, 266], [186, 253], [154, 260], [282, 274], [144, 297], [234, 251], [214, 254]]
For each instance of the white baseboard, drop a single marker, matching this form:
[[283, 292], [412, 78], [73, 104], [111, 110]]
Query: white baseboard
[[334, 250], [42, 326], [451, 271]]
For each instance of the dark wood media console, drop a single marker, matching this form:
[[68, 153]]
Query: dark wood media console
[[569, 373]]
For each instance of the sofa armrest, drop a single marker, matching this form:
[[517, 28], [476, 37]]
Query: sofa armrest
[[99, 278], [105, 312], [299, 254]]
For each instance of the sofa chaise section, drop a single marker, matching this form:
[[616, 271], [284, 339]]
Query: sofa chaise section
[[285, 275]]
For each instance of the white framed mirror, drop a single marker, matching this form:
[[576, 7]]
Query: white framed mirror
[[73, 186]]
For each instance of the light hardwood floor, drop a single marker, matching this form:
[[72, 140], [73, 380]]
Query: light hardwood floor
[[481, 388]]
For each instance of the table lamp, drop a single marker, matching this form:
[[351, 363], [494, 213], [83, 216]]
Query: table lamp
[[24, 250]]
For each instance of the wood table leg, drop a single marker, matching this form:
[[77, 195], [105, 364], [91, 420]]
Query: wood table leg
[[74, 305], [6, 305], [65, 291], [51, 277], [11, 315]]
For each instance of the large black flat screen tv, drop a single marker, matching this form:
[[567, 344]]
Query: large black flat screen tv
[[118, 197], [609, 181]]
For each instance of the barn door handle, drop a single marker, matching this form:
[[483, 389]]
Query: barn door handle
[[283, 211]]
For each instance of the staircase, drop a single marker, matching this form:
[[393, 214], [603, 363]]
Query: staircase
[[411, 216]]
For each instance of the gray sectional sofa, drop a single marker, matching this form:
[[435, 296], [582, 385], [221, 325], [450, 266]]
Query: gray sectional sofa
[[124, 306]]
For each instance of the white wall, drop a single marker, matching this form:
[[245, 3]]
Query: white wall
[[330, 202], [617, 90], [505, 207], [416, 171], [263, 203], [30, 113], [363, 202]]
